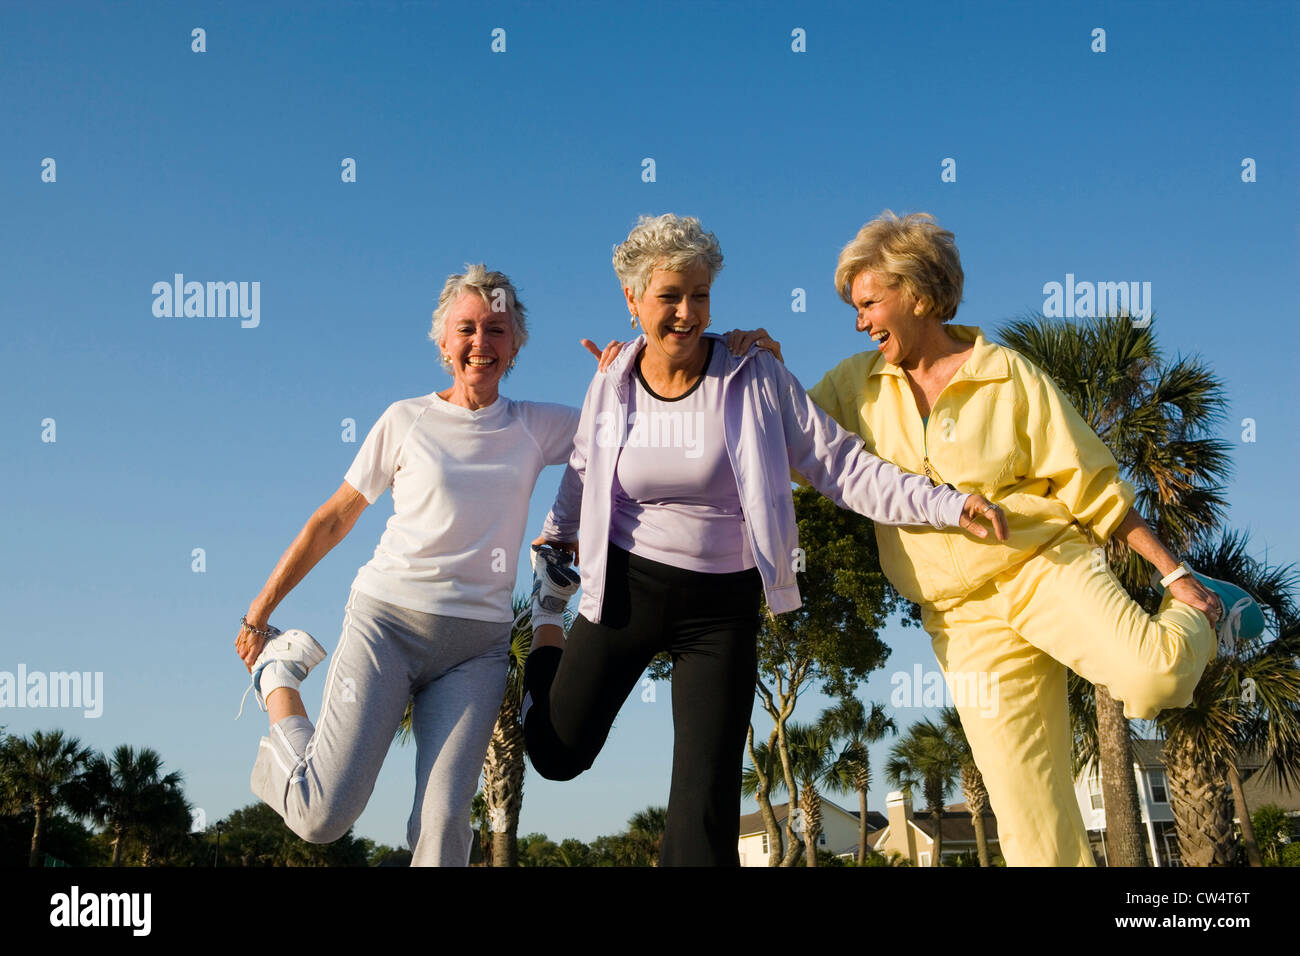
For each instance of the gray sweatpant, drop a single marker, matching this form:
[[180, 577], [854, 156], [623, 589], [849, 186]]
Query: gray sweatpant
[[319, 778]]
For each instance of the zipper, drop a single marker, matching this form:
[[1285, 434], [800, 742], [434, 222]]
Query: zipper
[[926, 465], [936, 479]]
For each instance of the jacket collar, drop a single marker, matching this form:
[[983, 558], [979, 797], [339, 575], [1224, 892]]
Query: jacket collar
[[619, 374], [987, 363]]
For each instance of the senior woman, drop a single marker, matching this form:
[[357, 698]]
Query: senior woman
[[940, 399], [679, 493], [429, 615]]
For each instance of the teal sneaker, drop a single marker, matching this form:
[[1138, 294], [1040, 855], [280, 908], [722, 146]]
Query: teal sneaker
[[1240, 620]]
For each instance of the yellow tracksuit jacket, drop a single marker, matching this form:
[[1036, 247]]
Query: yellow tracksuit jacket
[[1000, 428]]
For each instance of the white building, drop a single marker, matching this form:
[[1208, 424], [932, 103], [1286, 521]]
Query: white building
[[1153, 802], [839, 832]]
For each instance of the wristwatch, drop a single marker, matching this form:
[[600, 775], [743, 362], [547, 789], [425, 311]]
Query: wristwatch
[[1179, 572]]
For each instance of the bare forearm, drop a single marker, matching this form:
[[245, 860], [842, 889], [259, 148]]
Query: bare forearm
[[321, 533], [1139, 537]]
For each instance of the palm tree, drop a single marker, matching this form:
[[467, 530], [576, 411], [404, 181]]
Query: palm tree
[[646, 830], [850, 722], [972, 781], [40, 771], [482, 824], [1246, 703], [812, 761], [166, 822], [1157, 418], [126, 794], [925, 759], [503, 769]]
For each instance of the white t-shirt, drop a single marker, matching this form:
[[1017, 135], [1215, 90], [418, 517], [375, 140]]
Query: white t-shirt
[[461, 482]]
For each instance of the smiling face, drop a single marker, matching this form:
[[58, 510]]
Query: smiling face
[[890, 316], [674, 312], [478, 342]]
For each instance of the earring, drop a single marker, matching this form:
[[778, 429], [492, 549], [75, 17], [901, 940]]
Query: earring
[[633, 320]]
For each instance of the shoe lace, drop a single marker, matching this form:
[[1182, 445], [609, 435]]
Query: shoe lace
[[1230, 626], [251, 684]]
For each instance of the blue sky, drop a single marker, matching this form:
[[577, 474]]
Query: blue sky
[[180, 433]]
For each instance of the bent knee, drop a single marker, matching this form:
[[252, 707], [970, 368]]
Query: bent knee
[[323, 821], [560, 763], [1145, 696], [321, 830]]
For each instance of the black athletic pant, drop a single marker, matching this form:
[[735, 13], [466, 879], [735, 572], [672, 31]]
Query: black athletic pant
[[708, 622]]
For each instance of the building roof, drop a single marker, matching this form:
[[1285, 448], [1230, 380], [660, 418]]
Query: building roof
[[1259, 792], [751, 823], [1150, 752], [957, 825]]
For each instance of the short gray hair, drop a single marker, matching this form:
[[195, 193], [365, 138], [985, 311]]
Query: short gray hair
[[668, 242], [494, 288]]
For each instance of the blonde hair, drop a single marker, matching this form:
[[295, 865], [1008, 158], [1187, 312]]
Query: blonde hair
[[668, 242], [913, 252], [489, 286]]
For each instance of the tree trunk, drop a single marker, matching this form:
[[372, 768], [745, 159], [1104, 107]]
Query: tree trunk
[[38, 832], [1243, 814], [788, 696], [977, 802], [810, 804], [792, 841], [1126, 840], [117, 847], [862, 826], [981, 842], [1201, 803], [503, 783], [774, 842], [937, 816]]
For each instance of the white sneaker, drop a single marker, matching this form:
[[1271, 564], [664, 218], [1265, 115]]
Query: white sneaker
[[285, 661], [554, 583]]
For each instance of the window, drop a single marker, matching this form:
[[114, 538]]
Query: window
[[821, 838], [1094, 792], [765, 850], [1172, 855], [1156, 781], [925, 859]]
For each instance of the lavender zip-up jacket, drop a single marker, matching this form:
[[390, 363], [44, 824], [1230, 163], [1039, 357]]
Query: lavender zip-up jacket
[[771, 427]]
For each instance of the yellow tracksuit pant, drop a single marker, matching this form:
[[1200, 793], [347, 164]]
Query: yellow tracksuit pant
[[1017, 635]]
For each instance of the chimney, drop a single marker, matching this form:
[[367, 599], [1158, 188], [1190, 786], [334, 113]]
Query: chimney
[[898, 807]]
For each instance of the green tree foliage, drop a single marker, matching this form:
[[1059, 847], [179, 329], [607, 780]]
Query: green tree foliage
[[40, 774], [1272, 832], [256, 836], [129, 795]]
